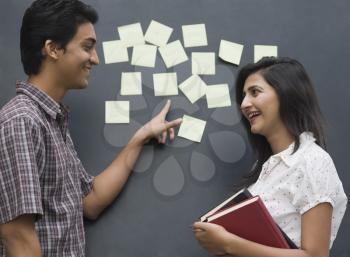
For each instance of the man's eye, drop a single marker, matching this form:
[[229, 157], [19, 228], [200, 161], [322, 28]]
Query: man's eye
[[87, 47]]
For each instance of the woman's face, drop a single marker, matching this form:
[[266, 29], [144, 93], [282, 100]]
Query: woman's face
[[260, 106]]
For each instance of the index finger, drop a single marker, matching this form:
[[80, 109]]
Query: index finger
[[166, 108]]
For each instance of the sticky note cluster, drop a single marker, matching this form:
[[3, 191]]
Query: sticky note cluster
[[145, 47]]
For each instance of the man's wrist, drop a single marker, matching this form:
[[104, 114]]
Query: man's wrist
[[140, 137]]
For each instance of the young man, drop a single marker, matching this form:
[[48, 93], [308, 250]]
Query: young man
[[44, 189]]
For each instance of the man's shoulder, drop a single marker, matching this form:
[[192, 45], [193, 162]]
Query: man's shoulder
[[20, 107]]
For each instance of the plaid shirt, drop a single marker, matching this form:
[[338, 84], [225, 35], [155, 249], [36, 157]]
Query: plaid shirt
[[40, 172]]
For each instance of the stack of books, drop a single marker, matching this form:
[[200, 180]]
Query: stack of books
[[246, 216]]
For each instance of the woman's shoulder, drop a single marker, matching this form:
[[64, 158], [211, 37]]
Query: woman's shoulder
[[317, 169], [310, 154], [315, 155]]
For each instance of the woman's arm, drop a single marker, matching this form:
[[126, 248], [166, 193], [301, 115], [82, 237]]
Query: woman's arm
[[315, 237]]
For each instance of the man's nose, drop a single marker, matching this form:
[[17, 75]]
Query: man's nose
[[94, 58]]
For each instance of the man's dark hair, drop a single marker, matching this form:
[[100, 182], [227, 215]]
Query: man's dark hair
[[55, 20], [299, 108]]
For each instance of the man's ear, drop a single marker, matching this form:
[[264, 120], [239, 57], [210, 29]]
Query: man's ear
[[52, 49]]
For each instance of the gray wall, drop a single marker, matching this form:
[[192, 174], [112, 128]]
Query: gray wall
[[174, 184]]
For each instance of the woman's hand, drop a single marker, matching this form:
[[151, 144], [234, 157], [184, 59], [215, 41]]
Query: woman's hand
[[158, 127], [212, 237]]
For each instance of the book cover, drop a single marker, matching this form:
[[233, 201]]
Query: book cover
[[250, 220]]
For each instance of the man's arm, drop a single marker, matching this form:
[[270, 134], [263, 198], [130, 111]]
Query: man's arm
[[19, 237], [108, 184]]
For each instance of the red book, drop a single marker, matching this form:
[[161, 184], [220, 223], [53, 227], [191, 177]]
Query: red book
[[250, 220], [238, 197]]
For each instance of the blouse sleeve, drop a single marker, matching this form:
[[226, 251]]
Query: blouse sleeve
[[317, 182]]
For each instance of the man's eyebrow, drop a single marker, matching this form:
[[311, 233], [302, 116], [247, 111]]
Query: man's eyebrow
[[90, 40]]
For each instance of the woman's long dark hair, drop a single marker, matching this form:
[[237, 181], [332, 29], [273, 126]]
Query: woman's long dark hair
[[299, 108]]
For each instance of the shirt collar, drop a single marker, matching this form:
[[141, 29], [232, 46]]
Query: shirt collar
[[50, 106], [287, 155]]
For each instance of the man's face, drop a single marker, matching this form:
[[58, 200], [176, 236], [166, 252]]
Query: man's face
[[78, 58]]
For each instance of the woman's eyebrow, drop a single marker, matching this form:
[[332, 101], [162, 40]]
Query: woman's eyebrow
[[251, 87]]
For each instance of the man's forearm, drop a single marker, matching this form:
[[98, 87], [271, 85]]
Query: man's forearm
[[22, 247], [109, 183], [20, 238]]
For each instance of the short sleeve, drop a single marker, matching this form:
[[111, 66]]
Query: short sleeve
[[86, 180], [20, 191], [317, 182]]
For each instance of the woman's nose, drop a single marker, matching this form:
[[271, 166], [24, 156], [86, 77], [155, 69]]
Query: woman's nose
[[245, 102]]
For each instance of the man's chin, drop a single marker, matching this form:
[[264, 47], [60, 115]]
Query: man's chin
[[82, 85]]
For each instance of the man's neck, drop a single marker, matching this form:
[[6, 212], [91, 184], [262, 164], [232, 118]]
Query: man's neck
[[49, 85]]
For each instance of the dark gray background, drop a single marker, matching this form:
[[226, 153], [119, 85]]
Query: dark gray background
[[152, 216]]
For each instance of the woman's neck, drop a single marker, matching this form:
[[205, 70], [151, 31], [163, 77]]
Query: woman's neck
[[280, 140]]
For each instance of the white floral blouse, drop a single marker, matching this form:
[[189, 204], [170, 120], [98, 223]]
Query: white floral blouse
[[291, 184]]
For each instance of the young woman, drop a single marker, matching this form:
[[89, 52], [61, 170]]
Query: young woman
[[293, 174]]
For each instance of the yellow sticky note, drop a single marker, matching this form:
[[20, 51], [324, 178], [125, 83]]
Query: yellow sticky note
[[203, 63], [131, 35], [144, 55], [173, 54], [114, 52], [261, 51], [158, 33], [194, 35], [193, 88], [218, 96], [192, 128], [117, 112], [131, 83], [165, 84], [230, 52]]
